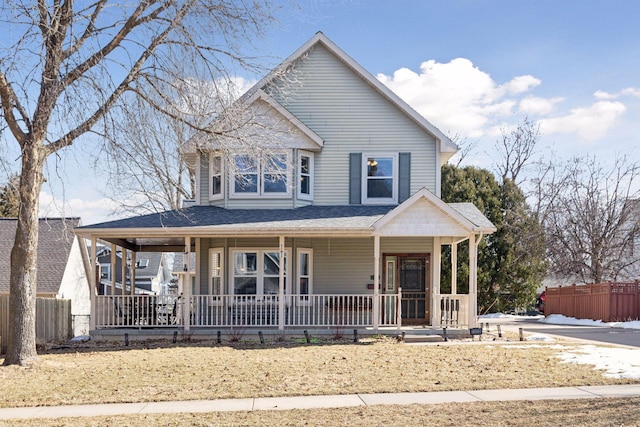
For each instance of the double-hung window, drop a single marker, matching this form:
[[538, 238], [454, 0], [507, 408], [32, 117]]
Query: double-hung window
[[305, 175], [216, 176], [379, 178], [257, 271], [305, 274], [216, 271], [261, 177]]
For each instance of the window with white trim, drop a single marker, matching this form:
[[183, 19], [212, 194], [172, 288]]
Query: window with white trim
[[305, 274], [255, 177], [216, 177], [379, 178], [105, 271], [305, 175], [257, 271], [216, 271]]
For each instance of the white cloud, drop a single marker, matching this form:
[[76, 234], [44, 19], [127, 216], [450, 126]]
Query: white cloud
[[589, 123], [600, 94], [457, 96], [89, 211], [461, 99], [630, 91], [538, 106], [521, 84]]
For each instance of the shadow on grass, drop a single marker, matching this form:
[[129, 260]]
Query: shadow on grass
[[227, 340]]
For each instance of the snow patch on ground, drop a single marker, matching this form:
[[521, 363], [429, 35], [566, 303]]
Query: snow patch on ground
[[616, 362]]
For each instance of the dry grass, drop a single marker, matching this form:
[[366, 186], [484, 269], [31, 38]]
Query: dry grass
[[593, 413], [159, 372]]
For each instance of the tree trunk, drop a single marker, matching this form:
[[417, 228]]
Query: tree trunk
[[21, 348]]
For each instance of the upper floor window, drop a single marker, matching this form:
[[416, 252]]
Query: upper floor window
[[215, 177], [305, 175], [380, 178], [269, 177]]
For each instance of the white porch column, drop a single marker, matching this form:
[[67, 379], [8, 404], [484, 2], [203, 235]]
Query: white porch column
[[186, 289], [114, 262], [281, 268], [93, 265], [376, 282], [133, 273], [473, 281], [123, 268], [436, 263], [454, 268]]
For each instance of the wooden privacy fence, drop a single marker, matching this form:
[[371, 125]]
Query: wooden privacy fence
[[609, 302], [53, 320]]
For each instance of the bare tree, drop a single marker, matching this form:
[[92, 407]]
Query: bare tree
[[517, 147], [590, 216], [145, 168], [466, 147], [69, 68]]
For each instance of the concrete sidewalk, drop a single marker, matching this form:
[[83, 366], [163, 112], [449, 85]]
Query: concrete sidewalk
[[332, 401]]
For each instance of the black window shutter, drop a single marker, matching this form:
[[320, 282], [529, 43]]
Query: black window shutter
[[355, 178], [404, 181]]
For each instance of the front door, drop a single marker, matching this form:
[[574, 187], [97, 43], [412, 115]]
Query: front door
[[412, 275]]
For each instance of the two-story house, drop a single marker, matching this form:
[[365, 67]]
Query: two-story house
[[326, 213]]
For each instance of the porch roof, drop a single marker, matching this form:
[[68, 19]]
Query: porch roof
[[159, 231]]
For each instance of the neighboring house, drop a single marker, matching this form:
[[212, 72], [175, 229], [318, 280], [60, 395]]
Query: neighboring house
[[152, 272], [342, 226], [62, 265]]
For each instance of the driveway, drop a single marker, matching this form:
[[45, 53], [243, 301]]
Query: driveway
[[600, 334]]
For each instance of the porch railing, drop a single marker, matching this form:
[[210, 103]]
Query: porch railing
[[164, 311], [144, 311], [452, 311]]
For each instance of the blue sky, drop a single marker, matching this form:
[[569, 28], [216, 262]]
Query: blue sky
[[473, 67]]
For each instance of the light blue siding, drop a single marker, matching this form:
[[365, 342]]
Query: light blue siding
[[351, 117]]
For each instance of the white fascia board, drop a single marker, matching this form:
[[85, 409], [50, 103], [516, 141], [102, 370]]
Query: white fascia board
[[213, 231], [433, 199]]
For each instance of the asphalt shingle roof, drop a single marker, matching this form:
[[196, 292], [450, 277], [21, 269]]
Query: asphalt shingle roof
[[308, 216], [55, 239]]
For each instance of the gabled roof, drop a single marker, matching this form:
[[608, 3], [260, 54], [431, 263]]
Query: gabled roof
[[55, 239], [446, 144], [463, 216]]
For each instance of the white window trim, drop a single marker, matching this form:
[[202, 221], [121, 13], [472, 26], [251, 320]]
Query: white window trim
[[300, 194], [260, 193], [108, 270], [259, 268], [396, 176], [222, 180], [299, 252], [220, 252]]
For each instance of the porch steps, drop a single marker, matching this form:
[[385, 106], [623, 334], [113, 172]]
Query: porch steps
[[413, 338]]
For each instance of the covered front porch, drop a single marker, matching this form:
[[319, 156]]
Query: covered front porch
[[313, 267]]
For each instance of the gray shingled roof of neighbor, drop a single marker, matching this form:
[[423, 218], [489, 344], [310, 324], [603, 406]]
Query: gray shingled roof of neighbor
[[55, 239]]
